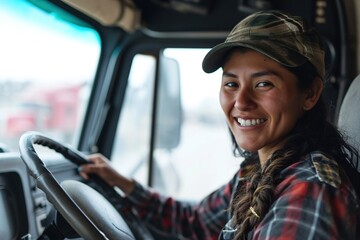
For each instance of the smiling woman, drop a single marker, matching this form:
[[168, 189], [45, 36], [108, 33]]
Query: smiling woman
[[261, 101], [47, 66], [274, 69]]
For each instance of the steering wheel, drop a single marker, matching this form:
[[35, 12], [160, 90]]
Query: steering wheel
[[86, 210]]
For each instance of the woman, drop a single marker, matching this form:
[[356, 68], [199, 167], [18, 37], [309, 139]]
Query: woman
[[298, 180]]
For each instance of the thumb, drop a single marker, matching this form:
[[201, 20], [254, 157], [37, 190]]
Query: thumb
[[84, 172]]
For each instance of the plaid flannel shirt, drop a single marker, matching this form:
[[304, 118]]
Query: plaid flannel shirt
[[313, 200]]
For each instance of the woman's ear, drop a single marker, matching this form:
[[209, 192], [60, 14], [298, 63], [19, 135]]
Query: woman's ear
[[313, 94]]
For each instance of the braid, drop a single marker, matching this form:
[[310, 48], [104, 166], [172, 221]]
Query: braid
[[258, 194], [242, 204]]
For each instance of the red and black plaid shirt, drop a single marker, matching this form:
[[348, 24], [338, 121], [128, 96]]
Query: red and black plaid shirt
[[314, 200]]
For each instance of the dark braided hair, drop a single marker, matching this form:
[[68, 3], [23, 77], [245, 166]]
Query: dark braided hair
[[312, 132]]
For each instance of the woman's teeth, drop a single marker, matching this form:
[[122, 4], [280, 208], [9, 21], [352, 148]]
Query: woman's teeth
[[250, 122]]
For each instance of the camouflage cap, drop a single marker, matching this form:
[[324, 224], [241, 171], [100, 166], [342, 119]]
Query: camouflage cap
[[284, 38]]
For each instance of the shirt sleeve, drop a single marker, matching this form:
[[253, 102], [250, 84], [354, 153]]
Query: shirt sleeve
[[311, 210], [184, 220]]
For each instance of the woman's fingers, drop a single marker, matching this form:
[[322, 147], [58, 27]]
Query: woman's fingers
[[83, 174], [101, 166]]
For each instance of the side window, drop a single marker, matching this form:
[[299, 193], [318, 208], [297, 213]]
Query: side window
[[48, 65], [193, 151], [132, 142]]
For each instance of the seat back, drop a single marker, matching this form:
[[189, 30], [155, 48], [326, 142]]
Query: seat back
[[349, 125], [349, 115]]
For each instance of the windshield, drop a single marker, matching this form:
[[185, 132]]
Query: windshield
[[47, 67]]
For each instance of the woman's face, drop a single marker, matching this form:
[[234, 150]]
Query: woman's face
[[261, 101]]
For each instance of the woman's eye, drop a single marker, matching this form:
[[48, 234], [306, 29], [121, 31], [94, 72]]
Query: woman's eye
[[263, 84], [231, 84]]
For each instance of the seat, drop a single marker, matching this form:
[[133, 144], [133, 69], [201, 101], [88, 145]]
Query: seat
[[349, 114]]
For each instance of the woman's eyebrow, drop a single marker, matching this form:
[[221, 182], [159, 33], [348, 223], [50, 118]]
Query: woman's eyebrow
[[263, 73], [227, 74]]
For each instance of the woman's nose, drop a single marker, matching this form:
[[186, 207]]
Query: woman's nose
[[245, 100]]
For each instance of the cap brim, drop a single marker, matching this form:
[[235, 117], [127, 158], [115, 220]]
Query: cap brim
[[214, 59]]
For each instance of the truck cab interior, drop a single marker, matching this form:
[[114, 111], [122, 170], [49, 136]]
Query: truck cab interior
[[124, 78]]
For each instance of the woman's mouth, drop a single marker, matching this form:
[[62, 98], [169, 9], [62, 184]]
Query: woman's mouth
[[250, 122]]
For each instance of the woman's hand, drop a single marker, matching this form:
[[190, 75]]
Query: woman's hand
[[101, 167]]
